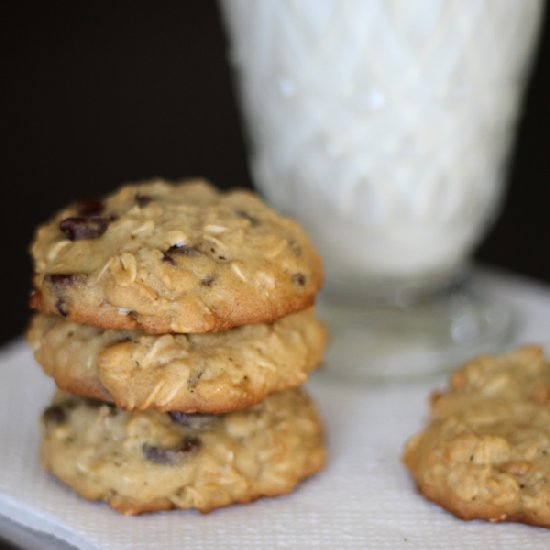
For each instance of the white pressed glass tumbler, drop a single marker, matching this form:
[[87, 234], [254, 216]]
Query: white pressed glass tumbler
[[383, 126]]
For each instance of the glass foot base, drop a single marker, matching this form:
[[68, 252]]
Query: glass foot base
[[389, 343]]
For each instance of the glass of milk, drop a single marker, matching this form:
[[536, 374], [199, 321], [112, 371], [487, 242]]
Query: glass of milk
[[383, 126]]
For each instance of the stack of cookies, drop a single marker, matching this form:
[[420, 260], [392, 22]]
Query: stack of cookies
[[177, 323]]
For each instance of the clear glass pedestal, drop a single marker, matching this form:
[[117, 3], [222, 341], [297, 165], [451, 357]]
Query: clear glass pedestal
[[389, 342]]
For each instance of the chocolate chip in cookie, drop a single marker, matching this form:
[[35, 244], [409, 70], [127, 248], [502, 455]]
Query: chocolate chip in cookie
[[160, 455], [83, 228]]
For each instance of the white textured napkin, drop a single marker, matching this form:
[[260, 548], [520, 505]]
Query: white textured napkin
[[364, 499]]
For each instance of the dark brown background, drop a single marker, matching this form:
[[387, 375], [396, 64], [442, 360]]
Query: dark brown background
[[96, 96]]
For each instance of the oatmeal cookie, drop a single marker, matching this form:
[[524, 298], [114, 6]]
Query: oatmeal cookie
[[181, 257], [208, 373], [149, 461], [486, 451]]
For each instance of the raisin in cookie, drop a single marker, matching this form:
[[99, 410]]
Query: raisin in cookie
[[173, 258], [148, 461], [208, 373], [486, 451]]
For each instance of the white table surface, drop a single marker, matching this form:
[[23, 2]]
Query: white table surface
[[364, 498]]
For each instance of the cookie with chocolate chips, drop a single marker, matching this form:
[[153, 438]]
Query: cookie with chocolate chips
[[213, 372], [181, 257], [486, 451], [149, 461]]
